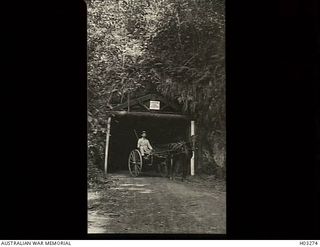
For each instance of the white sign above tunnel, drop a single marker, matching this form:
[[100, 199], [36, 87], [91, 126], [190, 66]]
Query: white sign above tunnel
[[154, 105]]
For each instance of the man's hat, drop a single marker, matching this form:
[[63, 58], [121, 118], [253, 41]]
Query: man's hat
[[145, 132]]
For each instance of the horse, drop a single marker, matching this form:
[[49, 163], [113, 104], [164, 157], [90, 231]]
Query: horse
[[179, 159]]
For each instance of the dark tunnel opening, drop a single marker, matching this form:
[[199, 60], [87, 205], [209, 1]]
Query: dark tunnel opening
[[123, 138]]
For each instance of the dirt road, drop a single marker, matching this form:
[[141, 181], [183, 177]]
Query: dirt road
[[155, 205]]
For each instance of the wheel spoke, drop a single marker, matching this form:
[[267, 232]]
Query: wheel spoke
[[136, 170], [139, 167], [134, 157]]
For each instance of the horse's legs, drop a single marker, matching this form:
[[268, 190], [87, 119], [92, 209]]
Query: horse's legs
[[170, 165], [184, 172], [177, 166], [179, 163], [184, 167]]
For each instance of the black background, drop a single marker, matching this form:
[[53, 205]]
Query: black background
[[272, 97]]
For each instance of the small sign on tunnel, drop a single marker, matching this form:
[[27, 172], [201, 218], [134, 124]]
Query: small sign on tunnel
[[154, 105]]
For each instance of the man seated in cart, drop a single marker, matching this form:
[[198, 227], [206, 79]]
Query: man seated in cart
[[144, 145]]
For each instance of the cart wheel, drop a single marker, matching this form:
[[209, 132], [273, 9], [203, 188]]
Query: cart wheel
[[163, 169], [135, 163]]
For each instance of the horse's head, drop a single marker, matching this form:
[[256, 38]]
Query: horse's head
[[184, 147]]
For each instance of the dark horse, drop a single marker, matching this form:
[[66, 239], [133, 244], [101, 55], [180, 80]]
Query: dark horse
[[179, 159]]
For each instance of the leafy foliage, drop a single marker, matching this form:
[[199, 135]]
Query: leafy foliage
[[173, 46]]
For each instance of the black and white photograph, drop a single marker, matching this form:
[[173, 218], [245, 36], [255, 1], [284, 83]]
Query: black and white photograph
[[161, 120], [156, 116]]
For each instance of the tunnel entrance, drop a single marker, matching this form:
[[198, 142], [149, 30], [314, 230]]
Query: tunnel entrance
[[159, 131]]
